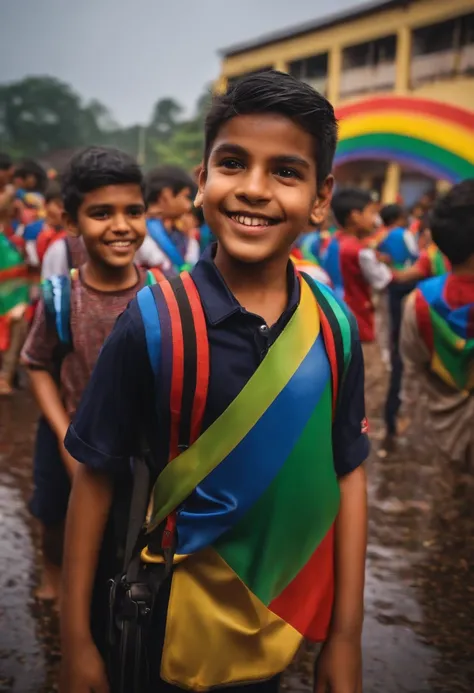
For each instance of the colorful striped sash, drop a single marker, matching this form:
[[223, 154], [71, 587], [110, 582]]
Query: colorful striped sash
[[254, 498], [448, 334]]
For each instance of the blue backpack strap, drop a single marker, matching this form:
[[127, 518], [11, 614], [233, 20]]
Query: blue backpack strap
[[158, 233], [56, 291]]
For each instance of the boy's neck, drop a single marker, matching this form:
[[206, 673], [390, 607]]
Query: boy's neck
[[354, 231], [260, 288], [107, 278]]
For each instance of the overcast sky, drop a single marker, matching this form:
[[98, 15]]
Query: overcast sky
[[128, 53]]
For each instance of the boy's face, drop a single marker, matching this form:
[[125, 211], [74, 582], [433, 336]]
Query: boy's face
[[55, 211], [259, 189], [367, 220], [174, 206], [112, 222]]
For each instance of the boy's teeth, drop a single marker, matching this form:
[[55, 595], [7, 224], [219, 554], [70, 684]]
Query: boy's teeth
[[251, 221], [120, 244]]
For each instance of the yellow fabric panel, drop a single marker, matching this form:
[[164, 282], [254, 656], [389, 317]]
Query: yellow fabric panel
[[217, 632], [439, 369]]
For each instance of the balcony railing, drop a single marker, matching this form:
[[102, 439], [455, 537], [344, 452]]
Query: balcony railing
[[425, 68], [366, 79]]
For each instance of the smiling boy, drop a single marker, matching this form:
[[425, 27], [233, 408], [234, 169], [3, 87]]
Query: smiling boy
[[267, 504], [103, 201]]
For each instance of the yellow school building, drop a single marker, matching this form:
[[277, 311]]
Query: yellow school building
[[400, 74]]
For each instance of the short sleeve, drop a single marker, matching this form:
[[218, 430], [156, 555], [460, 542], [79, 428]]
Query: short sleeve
[[350, 440], [107, 428], [41, 344], [55, 260]]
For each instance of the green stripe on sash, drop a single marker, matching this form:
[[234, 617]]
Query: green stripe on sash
[[267, 550]]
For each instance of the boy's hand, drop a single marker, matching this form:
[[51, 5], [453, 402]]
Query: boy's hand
[[83, 671], [339, 666]]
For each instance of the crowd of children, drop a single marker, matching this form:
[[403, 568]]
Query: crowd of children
[[167, 334]]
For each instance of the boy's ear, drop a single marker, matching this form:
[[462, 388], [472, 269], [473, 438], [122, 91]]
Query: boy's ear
[[202, 177], [70, 225], [322, 202]]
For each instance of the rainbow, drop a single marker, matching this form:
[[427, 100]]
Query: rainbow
[[431, 137]]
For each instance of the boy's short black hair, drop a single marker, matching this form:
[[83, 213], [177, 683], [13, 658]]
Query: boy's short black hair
[[53, 192], [349, 200], [452, 222], [162, 177], [93, 168], [391, 213], [5, 162], [30, 167], [277, 92]]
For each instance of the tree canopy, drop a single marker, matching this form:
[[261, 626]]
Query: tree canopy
[[41, 115]]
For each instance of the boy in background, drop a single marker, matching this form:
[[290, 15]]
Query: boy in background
[[168, 197], [104, 204], [437, 337], [353, 267], [269, 148], [52, 228], [400, 249]]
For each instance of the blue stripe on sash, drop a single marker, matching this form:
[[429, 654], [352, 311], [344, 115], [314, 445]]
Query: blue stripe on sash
[[226, 494]]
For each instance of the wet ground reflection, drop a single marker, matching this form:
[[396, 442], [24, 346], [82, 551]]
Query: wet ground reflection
[[419, 630]]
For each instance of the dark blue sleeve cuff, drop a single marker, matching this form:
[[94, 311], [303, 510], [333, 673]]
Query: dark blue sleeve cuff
[[91, 457], [354, 455]]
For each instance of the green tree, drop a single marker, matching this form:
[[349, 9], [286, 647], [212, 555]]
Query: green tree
[[39, 114]]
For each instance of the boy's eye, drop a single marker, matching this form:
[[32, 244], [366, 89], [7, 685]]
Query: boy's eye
[[286, 172], [231, 164], [100, 214], [136, 211]]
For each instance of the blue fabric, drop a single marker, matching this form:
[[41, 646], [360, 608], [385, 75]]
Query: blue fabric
[[394, 245], [158, 232], [118, 404], [332, 265], [57, 300], [51, 485], [33, 230], [206, 237], [273, 437], [457, 318]]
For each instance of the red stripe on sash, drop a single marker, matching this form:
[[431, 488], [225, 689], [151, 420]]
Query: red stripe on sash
[[177, 376], [202, 347], [307, 602], [330, 345], [423, 319]]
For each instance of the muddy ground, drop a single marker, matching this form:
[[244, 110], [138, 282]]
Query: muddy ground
[[419, 627]]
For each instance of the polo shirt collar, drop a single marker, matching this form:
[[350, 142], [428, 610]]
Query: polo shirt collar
[[218, 301]]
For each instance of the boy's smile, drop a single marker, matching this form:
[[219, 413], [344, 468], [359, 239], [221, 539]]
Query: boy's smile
[[259, 188]]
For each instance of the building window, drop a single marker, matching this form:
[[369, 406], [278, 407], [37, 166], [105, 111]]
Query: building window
[[436, 38], [368, 67], [312, 70], [443, 50]]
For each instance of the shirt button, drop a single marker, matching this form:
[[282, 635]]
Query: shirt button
[[263, 329]]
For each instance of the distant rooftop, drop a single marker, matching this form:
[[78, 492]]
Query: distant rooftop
[[325, 22]]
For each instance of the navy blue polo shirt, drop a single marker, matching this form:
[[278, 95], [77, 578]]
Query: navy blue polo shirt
[[118, 404]]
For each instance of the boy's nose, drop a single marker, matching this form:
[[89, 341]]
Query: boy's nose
[[254, 187]]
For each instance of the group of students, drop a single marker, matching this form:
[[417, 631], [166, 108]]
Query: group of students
[[227, 390]]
